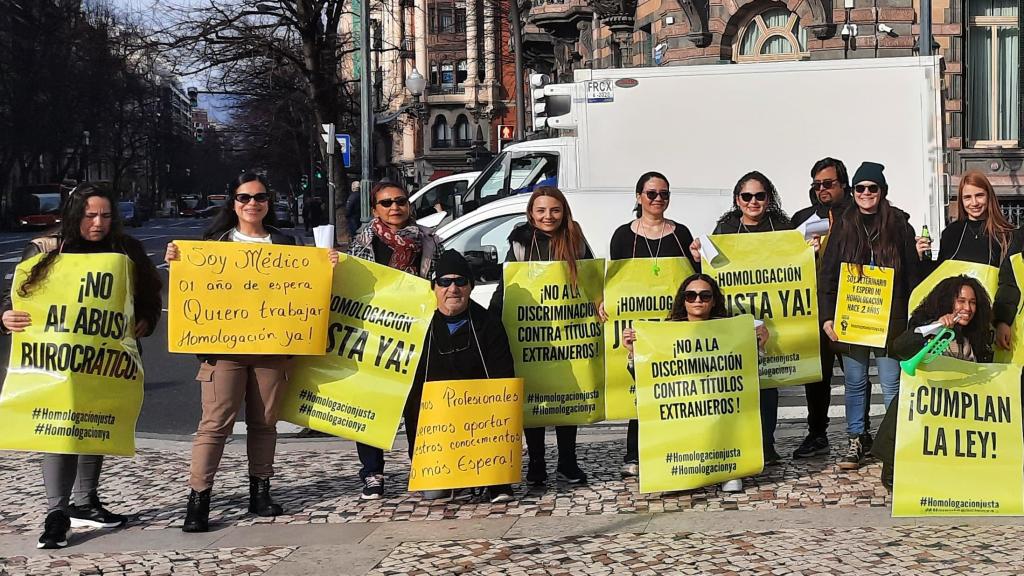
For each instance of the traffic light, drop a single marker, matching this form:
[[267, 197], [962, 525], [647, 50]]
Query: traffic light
[[305, 182], [318, 173], [199, 134], [538, 103], [193, 97]]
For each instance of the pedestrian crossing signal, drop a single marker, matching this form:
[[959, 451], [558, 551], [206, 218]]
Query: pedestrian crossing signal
[[506, 132]]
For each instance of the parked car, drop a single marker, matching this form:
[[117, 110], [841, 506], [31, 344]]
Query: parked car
[[187, 206], [209, 211], [283, 214], [129, 214]]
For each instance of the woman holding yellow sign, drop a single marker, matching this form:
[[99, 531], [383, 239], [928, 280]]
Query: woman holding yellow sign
[[226, 381], [550, 234], [699, 298], [756, 208], [91, 225], [392, 239], [872, 240], [650, 236]]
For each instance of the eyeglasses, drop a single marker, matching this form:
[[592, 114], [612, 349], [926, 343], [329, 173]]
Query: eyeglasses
[[692, 295], [460, 281], [246, 198], [823, 184], [759, 196], [387, 202], [866, 188], [652, 195]]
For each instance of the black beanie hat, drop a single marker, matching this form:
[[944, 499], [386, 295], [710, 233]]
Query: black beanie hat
[[451, 262], [870, 172]]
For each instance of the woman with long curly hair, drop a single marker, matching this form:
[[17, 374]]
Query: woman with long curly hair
[[90, 224], [699, 298], [960, 304]]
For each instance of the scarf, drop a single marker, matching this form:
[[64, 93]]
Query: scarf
[[405, 244]]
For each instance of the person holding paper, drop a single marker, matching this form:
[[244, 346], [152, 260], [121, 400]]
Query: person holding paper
[[391, 238], [756, 208], [699, 298], [549, 234], [226, 381], [830, 194], [650, 235], [960, 304], [465, 342], [90, 224], [870, 233]]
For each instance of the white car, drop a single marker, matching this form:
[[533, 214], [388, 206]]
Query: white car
[[432, 204], [482, 235]]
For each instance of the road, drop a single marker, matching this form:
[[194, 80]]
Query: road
[[172, 402]]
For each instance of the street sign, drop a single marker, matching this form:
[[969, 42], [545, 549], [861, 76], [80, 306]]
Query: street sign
[[345, 148]]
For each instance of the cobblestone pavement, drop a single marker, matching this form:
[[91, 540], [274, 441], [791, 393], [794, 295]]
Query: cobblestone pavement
[[906, 550], [221, 562], [323, 487]]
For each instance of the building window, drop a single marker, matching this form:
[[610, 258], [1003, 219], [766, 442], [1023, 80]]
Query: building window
[[993, 53], [646, 46], [447, 74], [462, 132], [445, 20], [772, 35], [442, 133], [460, 72], [435, 73], [460, 20]]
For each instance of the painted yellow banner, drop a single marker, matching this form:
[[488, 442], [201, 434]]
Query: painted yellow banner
[[987, 276], [247, 298], [556, 340], [634, 289], [379, 319], [698, 398], [958, 441], [470, 434], [864, 305], [74, 381], [1016, 353], [771, 275]]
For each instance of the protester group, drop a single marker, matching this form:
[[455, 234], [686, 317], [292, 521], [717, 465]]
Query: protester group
[[855, 227]]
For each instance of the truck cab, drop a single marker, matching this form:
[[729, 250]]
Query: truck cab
[[522, 167]]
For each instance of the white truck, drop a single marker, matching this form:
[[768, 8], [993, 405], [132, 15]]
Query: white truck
[[705, 126]]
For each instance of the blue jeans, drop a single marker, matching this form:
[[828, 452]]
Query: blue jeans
[[858, 389]]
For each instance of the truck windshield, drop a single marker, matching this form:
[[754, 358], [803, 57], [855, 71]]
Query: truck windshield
[[515, 173]]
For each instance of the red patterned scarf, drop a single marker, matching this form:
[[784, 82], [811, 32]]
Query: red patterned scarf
[[405, 244]]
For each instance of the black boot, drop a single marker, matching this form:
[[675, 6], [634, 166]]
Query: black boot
[[260, 502], [197, 514]]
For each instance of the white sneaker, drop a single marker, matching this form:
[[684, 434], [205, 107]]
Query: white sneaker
[[734, 485]]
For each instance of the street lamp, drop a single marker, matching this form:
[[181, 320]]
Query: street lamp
[[416, 84]]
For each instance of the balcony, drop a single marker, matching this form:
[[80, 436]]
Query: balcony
[[446, 89]]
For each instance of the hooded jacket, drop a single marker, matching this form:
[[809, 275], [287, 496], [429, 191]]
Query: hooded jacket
[[830, 212]]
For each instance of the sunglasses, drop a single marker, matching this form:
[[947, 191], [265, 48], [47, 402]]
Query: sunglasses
[[387, 202], [692, 295], [652, 195], [866, 188], [823, 184], [759, 196], [460, 281], [246, 198]]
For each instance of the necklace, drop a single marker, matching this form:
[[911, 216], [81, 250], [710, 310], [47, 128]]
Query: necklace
[[655, 268]]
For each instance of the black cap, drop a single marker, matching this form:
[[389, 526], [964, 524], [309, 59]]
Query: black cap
[[870, 172], [451, 262]]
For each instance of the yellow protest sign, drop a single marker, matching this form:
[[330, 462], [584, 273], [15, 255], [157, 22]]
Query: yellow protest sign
[[247, 298], [74, 381], [379, 318], [987, 276], [771, 275], [958, 441], [698, 398], [864, 305], [556, 339], [634, 290], [1016, 354], [469, 434]]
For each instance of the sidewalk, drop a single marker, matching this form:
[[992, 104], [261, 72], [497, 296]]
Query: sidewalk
[[804, 517]]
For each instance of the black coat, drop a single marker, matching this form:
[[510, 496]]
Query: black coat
[[522, 239], [146, 281], [731, 224]]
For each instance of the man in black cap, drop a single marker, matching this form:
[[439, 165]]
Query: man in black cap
[[464, 342]]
